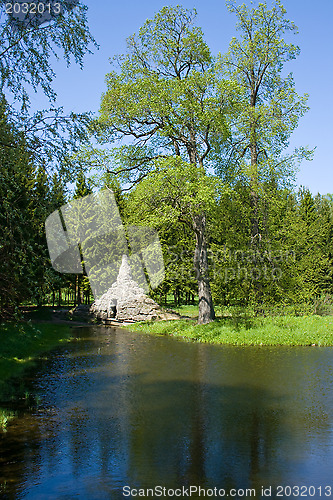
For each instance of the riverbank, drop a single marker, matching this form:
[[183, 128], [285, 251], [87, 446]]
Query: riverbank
[[22, 343], [242, 331]]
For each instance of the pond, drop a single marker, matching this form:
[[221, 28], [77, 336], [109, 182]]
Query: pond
[[122, 409]]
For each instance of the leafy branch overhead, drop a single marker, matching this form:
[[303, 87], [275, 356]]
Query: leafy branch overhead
[[174, 191], [26, 52]]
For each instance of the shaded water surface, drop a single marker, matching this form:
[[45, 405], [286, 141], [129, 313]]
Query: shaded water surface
[[118, 408]]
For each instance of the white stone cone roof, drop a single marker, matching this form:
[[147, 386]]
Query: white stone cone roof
[[125, 288], [131, 301]]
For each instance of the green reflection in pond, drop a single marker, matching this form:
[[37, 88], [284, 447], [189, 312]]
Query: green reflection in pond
[[119, 409]]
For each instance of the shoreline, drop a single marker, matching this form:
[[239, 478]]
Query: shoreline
[[22, 344], [229, 328], [306, 331]]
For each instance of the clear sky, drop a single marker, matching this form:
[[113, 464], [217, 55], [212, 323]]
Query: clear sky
[[111, 22]]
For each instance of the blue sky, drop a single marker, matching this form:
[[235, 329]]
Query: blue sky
[[112, 22]]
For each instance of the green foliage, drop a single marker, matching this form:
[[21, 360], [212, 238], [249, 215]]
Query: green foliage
[[33, 147], [270, 107], [16, 209], [173, 116], [183, 114], [82, 188], [27, 197], [171, 199], [174, 191], [21, 344], [292, 264], [166, 97], [26, 52]]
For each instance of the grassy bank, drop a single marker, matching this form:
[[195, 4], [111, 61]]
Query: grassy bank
[[278, 330], [22, 343]]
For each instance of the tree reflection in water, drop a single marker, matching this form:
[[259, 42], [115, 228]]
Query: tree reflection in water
[[123, 409]]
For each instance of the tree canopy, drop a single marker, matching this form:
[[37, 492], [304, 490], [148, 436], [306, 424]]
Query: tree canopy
[[166, 97], [26, 52], [192, 145], [34, 147]]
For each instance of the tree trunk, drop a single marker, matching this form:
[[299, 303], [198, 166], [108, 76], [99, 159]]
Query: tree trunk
[[206, 308], [175, 298], [78, 290], [255, 227]]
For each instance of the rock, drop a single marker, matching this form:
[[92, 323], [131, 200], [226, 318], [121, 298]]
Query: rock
[[126, 300]]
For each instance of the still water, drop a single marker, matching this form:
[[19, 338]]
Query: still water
[[118, 408]]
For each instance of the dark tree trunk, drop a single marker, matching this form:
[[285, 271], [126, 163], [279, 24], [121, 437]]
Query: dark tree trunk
[[206, 308], [175, 297], [255, 226], [78, 290], [254, 191]]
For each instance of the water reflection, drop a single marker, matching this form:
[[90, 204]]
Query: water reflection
[[123, 409]]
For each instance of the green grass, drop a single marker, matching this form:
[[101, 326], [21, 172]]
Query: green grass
[[22, 343], [244, 330], [192, 310]]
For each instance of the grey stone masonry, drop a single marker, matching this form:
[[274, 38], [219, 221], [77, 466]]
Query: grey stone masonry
[[126, 301]]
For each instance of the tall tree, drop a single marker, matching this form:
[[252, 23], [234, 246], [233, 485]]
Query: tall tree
[[17, 231], [176, 193], [167, 99], [33, 142], [82, 189], [270, 108]]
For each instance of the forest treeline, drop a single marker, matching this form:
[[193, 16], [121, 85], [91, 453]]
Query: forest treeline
[[197, 152], [28, 195], [290, 269]]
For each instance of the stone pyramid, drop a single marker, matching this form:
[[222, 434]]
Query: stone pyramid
[[126, 300]]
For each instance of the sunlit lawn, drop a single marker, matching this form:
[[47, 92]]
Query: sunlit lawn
[[235, 329]]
